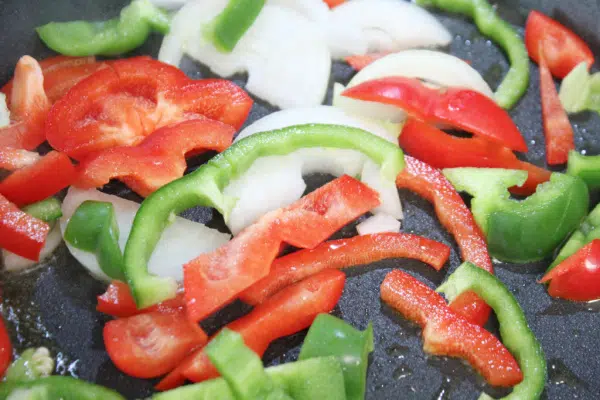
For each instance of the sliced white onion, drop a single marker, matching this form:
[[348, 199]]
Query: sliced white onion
[[182, 241], [169, 4], [4, 113], [366, 26], [15, 263], [314, 10], [276, 181], [378, 223], [432, 66], [183, 26], [388, 192]]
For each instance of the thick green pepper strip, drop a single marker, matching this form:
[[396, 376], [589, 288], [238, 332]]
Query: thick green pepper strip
[[47, 210], [106, 38], [515, 333], [242, 368], [204, 187], [528, 230], [230, 25], [585, 167], [32, 364], [93, 228], [331, 336], [516, 80], [56, 387]]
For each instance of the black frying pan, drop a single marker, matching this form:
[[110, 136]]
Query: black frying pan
[[54, 305]]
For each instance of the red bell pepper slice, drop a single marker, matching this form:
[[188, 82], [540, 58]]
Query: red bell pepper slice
[[122, 104], [151, 344], [441, 150], [49, 175], [561, 48], [20, 233], [334, 3], [344, 253], [28, 107], [12, 159], [359, 61], [287, 312], [158, 159], [118, 302], [5, 349], [464, 109], [557, 128], [578, 277], [456, 217], [214, 279], [446, 333]]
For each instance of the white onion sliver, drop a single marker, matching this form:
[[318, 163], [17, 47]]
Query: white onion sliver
[[4, 113], [314, 10], [388, 192], [378, 223], [181, 241], [15, 263], [183, 26]]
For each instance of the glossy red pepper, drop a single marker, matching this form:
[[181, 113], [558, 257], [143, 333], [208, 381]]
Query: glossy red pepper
[[118, 302], [122, 104], [287, 312], [441, 150], [578, 277], [12, 159], [333, 3], [214, 279], [464, 109], [49, 175], [158, 159], [561, 48], [5, 349], [344, 253], [20, 233], [446, 333], [359, 61], [28, 107], [456, 217]]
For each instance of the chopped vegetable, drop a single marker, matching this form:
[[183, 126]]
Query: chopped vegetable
[[47, 210], [441, 150], [446, 333], [454, 215], [378, 223], [121, 105], [226, 30], [213, 280], [512, 227], [578, 276], [204, 187], [561, 49], [93, 228], [56, 387], [107, 38], [118, 302], [158, 159], [331, 336], [5, 348], [20, 233], [516, 334], [460, 108], [12, 159], [32, 364], [586, 168], [575, 90], [333, 3], [484, 14], [15, 263], [344, 253], [360, 61], [4, 113]]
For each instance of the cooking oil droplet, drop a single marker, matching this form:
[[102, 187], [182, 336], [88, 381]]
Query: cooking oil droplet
[[64, 365], [583, 152], [560, 374], [397, 351], [443, 392], [402, 372], [559, 307], [533, 142]]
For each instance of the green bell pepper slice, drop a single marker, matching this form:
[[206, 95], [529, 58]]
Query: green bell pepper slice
[[585, 167], [331, 336], [528, 230], [515, 83], [204, 187], [93, 228], [227, 28], [32, 364], [514, 331], [47, 210], [107, 38], [56, 387]]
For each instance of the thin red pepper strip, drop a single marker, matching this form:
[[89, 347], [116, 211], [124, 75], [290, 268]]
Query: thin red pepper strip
[[344, 253], [441, 150], [158, 159], [557, 128], [12, 159], [20, 233], [214, 279], [287, 312], [464, 109], [118, 302], [333, 3], [578, 277], [456, 217], [49, 175], [359, 61], [447, 333], [5, 349]]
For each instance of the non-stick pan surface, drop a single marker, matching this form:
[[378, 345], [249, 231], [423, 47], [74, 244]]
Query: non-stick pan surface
[[55, 304]]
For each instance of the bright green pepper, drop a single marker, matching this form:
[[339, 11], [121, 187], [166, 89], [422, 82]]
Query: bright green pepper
[[106, 38], [242, 368], [528, 230], [515, 83], [93, 228], [204, 187], [585, 167], [331, 336], [56, 387], [47, 210], [31, 364], [514, 331], [230, 25]]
